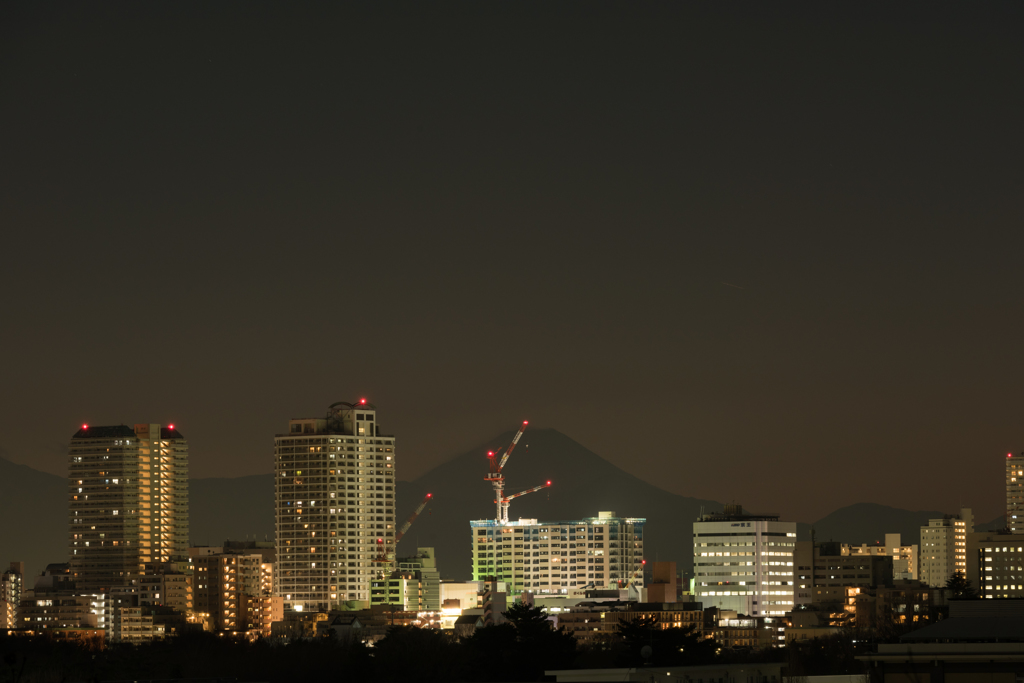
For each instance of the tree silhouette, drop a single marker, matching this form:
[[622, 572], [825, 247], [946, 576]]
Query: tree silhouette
[[960, 587]]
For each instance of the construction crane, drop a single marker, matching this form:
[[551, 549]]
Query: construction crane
[[638, 573], [389, 558], [497, 478]]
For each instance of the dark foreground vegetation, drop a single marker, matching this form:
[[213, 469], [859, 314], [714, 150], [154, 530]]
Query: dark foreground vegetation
[[517, 651]]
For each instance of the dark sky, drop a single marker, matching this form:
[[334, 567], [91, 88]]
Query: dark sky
[[763, 254]]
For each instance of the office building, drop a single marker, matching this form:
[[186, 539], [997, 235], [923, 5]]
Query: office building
[[556, 557], [744, 562], [944, 547], [128, 503], [1015, 492], [12, 583], [334, 497], [904, 557]]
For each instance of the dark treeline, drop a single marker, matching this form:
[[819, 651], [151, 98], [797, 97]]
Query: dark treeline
[[520, 650]]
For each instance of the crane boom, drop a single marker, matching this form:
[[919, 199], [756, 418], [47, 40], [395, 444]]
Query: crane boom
[[515, 440], [523, 493], [412, 518]]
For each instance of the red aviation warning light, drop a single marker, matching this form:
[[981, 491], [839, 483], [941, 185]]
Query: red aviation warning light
[[87, 426], [170, 426], [362, 401]]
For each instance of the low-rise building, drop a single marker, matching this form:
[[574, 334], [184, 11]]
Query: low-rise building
[[904, 557]]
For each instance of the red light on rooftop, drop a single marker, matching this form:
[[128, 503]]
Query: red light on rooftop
[[430, 495], [549, 482], [362, 400], [87, 426], [526, 422], [170, 426], [490, 454]]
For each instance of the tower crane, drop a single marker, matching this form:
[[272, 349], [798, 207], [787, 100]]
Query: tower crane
[[637, 574], [497, 478], [388, 558]]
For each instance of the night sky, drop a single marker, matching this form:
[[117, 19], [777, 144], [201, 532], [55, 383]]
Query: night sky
[[762, 253]]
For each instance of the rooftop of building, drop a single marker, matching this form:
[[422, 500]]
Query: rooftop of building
[[734, 513], [491, 523], [120, 432]]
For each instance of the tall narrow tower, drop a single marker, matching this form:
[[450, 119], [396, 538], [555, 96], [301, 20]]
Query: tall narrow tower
[[334, 490], [1015, 492], [128, 503]]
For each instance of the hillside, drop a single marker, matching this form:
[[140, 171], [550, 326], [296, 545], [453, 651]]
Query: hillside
[[583, 484]]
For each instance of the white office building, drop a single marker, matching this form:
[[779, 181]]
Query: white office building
[[744, 562], [334, 494]]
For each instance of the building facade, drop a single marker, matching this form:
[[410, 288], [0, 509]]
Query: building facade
[[415, 585], [904, 557], [996, 564], [128, 503], [554, 557], [944, 547], [334, 497], [1015, 492], [744, 562], [12, 584]]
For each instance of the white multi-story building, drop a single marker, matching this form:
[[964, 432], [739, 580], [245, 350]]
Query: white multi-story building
[[334, 497], [128, 503], [944, 547], [556, 557], [1015, 493], [744, 562], [904, 557]]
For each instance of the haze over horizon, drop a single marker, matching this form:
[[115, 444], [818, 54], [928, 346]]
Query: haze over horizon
[[767, 255]]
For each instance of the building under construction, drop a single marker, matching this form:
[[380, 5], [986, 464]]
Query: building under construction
[[558, 556], [553, 557]]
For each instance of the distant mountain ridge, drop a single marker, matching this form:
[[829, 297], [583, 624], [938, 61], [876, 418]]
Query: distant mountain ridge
[[34, 506]]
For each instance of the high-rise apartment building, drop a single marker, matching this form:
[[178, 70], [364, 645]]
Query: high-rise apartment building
[[554, 557], [944, 547], [12, 583], [1015, 492], [744, 562], [334, 493], [128, 503]]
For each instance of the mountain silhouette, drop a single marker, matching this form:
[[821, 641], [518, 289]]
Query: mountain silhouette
[[582, 485], [34, 506]]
